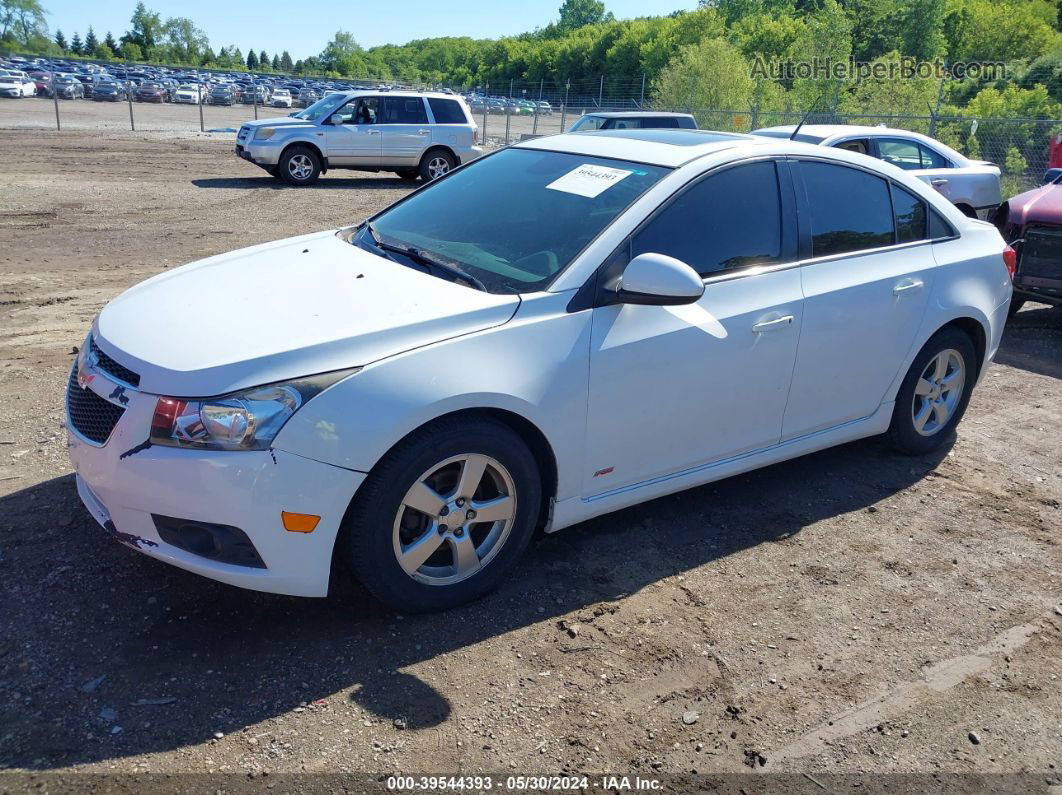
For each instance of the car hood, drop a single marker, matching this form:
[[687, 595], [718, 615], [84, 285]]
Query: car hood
[[1039, 205], [281, 310], [279, 121]]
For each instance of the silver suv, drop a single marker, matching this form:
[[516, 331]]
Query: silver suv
[[413, 134]]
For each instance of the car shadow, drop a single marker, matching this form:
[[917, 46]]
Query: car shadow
[[184, 657], [339, 182], [1032, 340]]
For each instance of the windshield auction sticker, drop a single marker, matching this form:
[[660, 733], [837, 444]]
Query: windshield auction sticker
[[589, 180]]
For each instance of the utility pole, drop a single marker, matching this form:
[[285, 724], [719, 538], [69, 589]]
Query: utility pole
[[940, 99], [601, 91], [642, 101], [254, 88], [129, 97], [564, 105], [55, 97], [202, 127]]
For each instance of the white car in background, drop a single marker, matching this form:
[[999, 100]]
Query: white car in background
[[971, 185], [281, 98], [189, 94], [16, 84], [560, 329]]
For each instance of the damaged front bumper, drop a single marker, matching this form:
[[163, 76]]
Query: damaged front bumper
[[138, 491]]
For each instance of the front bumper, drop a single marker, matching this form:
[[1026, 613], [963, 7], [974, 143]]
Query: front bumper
[[123, 483], [262, 153]]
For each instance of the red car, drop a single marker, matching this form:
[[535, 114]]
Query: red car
[[1032, 223], [152, 92]]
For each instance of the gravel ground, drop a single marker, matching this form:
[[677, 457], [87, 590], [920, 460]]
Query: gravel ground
[[851, 612]]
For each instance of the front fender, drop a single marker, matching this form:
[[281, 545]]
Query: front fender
[[535, 366]]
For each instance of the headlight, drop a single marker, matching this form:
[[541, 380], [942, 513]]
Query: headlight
[[247, 420], [264, 133]]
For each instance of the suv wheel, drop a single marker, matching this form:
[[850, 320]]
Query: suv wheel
[[445, 516], [299, 165], [407, 173], [934, 393], [435, 164]]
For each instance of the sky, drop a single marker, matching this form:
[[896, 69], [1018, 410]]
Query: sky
[[302, 28]]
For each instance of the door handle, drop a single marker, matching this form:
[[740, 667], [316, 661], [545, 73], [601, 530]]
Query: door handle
[[373, 132], [905, 285], [937, 183], [423, 132], [772, 325]]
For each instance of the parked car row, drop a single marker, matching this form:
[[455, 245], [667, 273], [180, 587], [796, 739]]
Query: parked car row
[[508, 106]]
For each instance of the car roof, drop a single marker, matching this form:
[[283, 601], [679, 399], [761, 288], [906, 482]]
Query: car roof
[[669, 148], [817, 133], [623, 114]]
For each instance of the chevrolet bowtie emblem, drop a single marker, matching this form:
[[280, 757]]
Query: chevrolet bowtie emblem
[[84, 378]]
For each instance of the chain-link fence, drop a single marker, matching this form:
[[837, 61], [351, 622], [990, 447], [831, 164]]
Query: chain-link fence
[[513, 110]]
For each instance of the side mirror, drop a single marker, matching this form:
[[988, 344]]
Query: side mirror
[[658, 280]]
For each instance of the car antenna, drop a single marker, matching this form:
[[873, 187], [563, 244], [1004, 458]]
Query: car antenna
[[793, 135]]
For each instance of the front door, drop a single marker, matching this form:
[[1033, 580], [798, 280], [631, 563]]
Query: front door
[[866, 288], [675, 387], [358, 141]]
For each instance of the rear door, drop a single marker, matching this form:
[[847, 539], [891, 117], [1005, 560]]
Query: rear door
[[406, 132], [866, 280]]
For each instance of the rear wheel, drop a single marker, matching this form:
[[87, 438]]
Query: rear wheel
[[445, 516], [299, 165], [934, 393], [435, 164]]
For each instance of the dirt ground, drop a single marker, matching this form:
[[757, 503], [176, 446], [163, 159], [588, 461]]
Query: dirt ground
[[852, 612]]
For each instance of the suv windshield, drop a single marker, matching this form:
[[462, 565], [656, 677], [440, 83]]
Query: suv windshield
[[544, 208], [322, 107]]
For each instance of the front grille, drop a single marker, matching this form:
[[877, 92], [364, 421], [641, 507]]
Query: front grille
[[111, 367], [89, 414], [1041, 254]]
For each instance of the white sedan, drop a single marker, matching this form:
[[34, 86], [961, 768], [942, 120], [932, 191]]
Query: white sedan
[[555, 331], [189, 94], [16, 84]]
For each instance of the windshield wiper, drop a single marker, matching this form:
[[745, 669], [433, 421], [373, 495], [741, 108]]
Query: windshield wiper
[[430, 262]]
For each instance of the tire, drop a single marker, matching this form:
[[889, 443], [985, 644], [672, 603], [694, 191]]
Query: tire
[[381, 525], [299, 165], [407, 173], [436, 163], [1015, 306], [922, 422]]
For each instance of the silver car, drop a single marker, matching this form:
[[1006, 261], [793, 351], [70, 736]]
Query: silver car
[[971, 185], [413, 134]]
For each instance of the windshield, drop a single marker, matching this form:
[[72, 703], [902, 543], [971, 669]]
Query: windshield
[[322, 107], [587, 123], [516, 219]]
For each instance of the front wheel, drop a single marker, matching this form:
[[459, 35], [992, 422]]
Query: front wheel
[[445, 516], [299, 166], [435, 164], [934, 393]]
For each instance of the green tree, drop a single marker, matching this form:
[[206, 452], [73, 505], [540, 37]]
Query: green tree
[[91, 42], [131, 51], [60, 40], [110, 42], [577, 13], [75, 44], [263, 60], [22, 21], [146, 29], [184, 42], [275, 64], [886, 94], [252, 60], [103, 52], [285, 61], [342, 55], [710, 75]]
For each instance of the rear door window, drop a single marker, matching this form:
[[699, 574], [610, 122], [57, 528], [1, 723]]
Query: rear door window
[[403, 110], [910, 212], [850, 209], [659, 122]]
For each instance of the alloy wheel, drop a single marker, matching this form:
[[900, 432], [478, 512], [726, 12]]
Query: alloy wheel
[[454, 519], [938, 392], [438, 166], [300, 167]]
